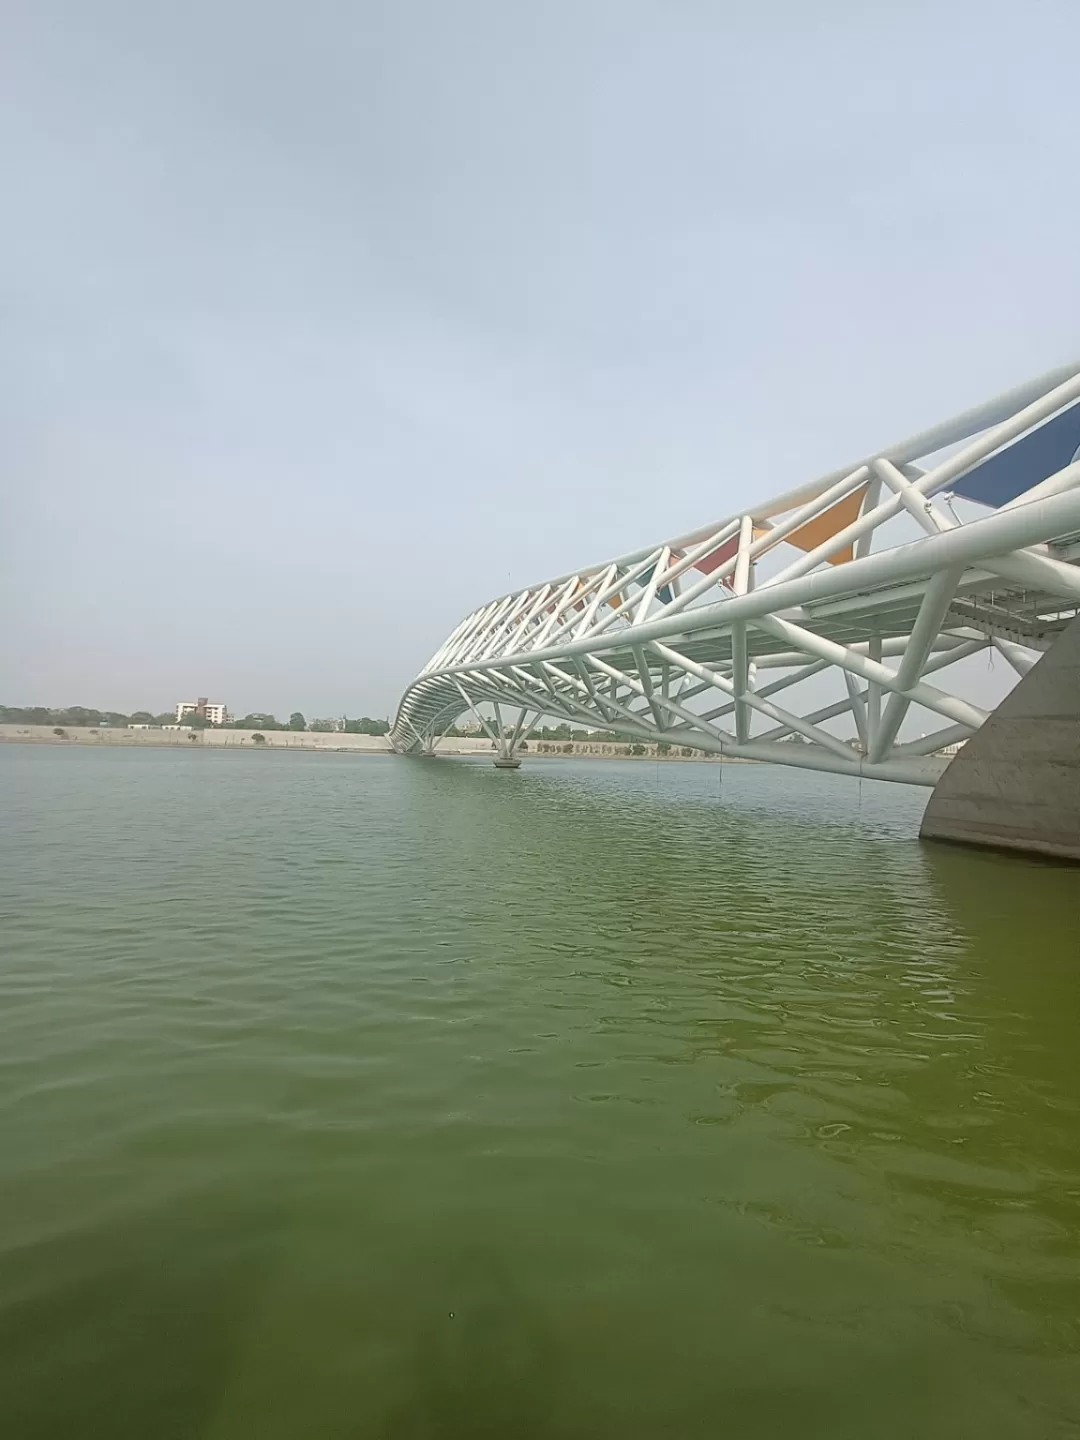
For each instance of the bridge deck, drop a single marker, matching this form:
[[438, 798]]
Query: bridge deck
[[710, 639]]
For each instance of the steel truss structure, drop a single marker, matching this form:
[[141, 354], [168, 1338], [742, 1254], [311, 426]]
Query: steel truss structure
[[706, 640]]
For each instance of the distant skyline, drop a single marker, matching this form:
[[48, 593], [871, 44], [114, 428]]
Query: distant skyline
[[324, 324], [24, 714]]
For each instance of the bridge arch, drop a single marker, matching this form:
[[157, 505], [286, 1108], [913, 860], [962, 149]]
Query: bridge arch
[[874, 578]]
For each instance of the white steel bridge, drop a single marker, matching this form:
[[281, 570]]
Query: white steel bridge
[[820, 617]]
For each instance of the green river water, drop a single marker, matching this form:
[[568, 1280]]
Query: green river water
[[347, 1096]]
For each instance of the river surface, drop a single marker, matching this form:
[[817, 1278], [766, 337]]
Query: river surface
[[348, 1096]]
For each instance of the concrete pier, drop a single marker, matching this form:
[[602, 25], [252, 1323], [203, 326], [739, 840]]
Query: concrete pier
[[1016, 783]]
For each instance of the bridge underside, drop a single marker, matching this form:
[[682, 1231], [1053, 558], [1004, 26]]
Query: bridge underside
[[817, 629]]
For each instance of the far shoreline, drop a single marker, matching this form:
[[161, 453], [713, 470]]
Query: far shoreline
[[315, 743]]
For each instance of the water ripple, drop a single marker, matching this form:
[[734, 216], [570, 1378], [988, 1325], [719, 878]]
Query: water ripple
[[689, 1095]]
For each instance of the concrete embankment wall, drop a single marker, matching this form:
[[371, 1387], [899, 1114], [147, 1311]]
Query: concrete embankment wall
[[1016, 783], [308, 740], [210, 738]]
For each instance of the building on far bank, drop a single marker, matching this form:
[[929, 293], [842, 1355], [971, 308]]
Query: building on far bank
[[213, 714]]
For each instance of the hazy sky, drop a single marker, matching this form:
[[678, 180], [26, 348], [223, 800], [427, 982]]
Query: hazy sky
[[322, 322]]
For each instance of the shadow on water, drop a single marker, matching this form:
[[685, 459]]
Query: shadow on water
[[486, 1369], [905, 1011], [131, 1328]]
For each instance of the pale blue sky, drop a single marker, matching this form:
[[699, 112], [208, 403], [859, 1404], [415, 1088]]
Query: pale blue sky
[[321, 321]]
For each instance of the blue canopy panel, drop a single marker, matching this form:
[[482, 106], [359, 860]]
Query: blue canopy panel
[[1025, 463], [664, 593]]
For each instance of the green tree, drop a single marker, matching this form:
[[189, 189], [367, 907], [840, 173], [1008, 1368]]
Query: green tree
[[256, 720], [19, 715], [560, 732], [196, 722], [367, 726], [297, 721], [77, 715]]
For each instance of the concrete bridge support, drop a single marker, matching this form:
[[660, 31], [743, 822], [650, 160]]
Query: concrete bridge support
[[1016, 783]]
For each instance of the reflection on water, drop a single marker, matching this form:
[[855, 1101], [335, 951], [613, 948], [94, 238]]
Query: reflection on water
[[351, 1096]]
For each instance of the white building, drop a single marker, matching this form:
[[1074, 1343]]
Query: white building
[[214, 714]]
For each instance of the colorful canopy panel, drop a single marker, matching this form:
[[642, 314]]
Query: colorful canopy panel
[[823, 527], [664, 593], [1034, 458]]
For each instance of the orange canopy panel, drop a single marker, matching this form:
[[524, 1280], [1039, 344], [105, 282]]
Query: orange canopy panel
[[581, 589], [815, 532]]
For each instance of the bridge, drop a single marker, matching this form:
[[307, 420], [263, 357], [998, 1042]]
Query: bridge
[[815, 629]]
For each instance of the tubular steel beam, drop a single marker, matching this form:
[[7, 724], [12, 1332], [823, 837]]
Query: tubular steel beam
[[642, 646]]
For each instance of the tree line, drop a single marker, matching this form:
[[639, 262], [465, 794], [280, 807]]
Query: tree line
[[80, 716], [257, 720], [546, 732]]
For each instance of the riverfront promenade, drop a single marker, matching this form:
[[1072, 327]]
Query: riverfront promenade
[[340, 743], [209, 738]]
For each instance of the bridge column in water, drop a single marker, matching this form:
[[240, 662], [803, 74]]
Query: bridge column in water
[[509, 746], [1016, 783]]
